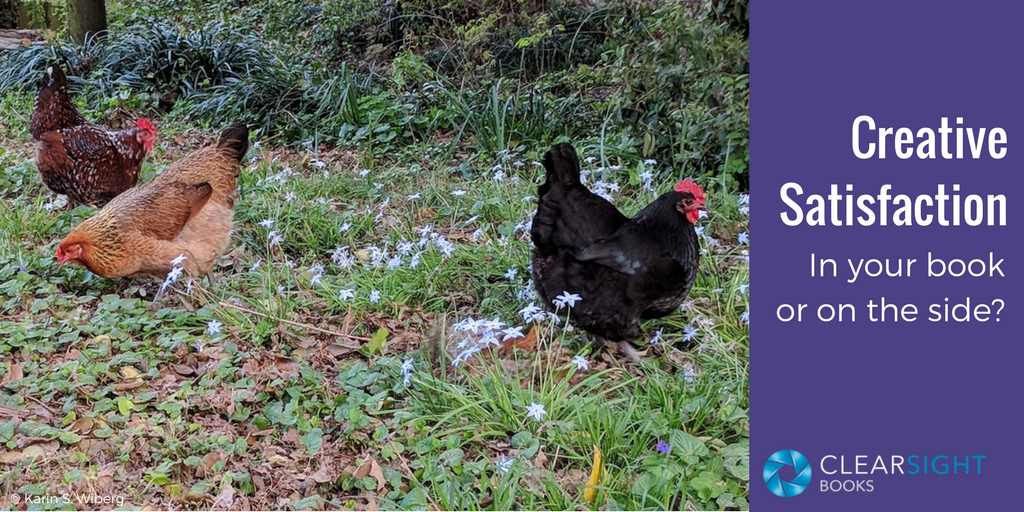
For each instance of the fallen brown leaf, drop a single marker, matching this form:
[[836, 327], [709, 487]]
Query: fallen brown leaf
[[11, 457], [527, 343], [82, 426], [292, 436], [183, 370], [226, 498], [287, 368], [338, 350], [205, 467], [131, 379], [362, 471], [41, 450], [14, 373], [540, 460], [377, 473], [194, 497], [127, 386], [371, 468], [321, 476]]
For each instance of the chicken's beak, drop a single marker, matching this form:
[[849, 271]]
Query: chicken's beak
[[62, 257], [683, 210]]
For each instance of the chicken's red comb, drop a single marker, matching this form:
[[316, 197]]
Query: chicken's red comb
[[688, 185], [146, 124]]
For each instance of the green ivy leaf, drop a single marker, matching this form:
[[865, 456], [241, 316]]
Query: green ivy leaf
[[737, 460], [38, 430], [687, 447], [376, 343], [706, 486], [522, 439], [157, 478], [69, 437], [124, 405], [452, 458], [313, 441]]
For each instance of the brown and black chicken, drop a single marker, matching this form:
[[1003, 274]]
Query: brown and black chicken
[[87, 162]]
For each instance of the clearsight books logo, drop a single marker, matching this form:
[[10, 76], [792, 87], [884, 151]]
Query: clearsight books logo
[[842, 473], [783, 459]]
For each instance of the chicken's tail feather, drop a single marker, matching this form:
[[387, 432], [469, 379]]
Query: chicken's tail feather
[[235, 138], [562, 165]]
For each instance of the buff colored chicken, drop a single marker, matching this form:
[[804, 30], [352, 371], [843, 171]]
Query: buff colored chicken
[[188, 210]]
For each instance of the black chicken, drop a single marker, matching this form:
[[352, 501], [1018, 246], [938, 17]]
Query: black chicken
[[624, 269]]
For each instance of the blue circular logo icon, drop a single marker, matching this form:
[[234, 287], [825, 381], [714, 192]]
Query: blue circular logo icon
[[781, 459]]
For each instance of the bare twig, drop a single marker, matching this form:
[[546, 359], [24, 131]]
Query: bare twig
[[296, 324], [49, 409], [9, 412]]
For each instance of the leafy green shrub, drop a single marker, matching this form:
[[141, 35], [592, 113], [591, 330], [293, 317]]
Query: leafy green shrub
[[505, 116], [662, 80], [154, 56], [570, 35], [159, 55], [735, 13], [667, 79], [221, 71], [680, 86], [348, 27], [21, 68]]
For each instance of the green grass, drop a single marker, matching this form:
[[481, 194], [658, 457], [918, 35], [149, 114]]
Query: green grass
[[298, 402]]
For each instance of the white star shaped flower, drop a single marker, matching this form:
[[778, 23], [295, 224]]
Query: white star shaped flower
[[512, 333], [213, 327], [535, 411], [580, 362], [689, 332], [566, 299], [504, 464]]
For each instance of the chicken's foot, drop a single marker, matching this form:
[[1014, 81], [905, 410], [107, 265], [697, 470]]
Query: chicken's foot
[[629, 352]]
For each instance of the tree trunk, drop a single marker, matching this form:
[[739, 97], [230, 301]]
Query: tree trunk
[[86, 17], [8, 14]]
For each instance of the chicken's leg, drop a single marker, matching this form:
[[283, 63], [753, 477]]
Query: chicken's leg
[[629, 352], [626, 348]]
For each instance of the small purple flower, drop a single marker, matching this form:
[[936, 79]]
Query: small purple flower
[[663, 447]]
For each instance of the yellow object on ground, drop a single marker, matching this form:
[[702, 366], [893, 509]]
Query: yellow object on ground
[[590, 492]]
